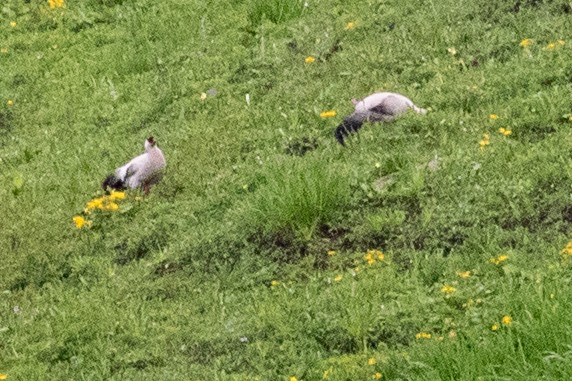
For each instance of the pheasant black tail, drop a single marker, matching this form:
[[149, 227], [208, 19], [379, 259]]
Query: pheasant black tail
[[348, 126]]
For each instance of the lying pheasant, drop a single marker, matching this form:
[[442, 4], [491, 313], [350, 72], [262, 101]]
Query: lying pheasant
[[142, 171], [377, 107]]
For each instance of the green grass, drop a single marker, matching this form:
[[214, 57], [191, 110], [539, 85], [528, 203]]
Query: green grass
[[298, 197], [223, 271], [276, 11]]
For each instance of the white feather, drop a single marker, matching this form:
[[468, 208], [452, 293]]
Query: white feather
[[143, 170], [399, 102]]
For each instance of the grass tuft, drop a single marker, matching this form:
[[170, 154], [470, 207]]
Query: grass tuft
[[298, 196], [276, 11]]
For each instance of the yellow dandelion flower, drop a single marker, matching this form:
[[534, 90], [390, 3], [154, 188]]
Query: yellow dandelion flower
[[3, 50], [485, 141], [369, 258], [494, 327], [422, 335], [13, 24], [112, 207], [371, 361], [331, 253], [327, 373], [203, 96], [115, 195], [275, 283], [570, 118], [377, 254], [505, 131], [550, 46], [96, 203], [568, 249], [80, 222], [448, 289], [55, 3], [350, 25], [3, 376], [493, 117], [328, 114], [338, 278], [377, 376], [463, 274], [10, 103], [293, 378], [310, 59], [526, 42], [500, 259], [506, 320]]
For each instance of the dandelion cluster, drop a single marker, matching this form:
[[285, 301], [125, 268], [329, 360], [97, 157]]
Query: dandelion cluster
[[554, 45], [56, 3], [499, 260], [105, 203], [505, 321], [485, 141], [526, 42], [422, 335], [505, 131], [372, 256], [567, 251]]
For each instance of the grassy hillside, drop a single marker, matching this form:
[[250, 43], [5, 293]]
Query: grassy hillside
[[431, 248]]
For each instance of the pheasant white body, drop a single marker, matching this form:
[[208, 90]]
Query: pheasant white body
[[377, 107], [141, 172]]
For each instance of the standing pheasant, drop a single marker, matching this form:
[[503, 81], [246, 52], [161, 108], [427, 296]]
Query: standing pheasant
[[377, 107], [142, 171]]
